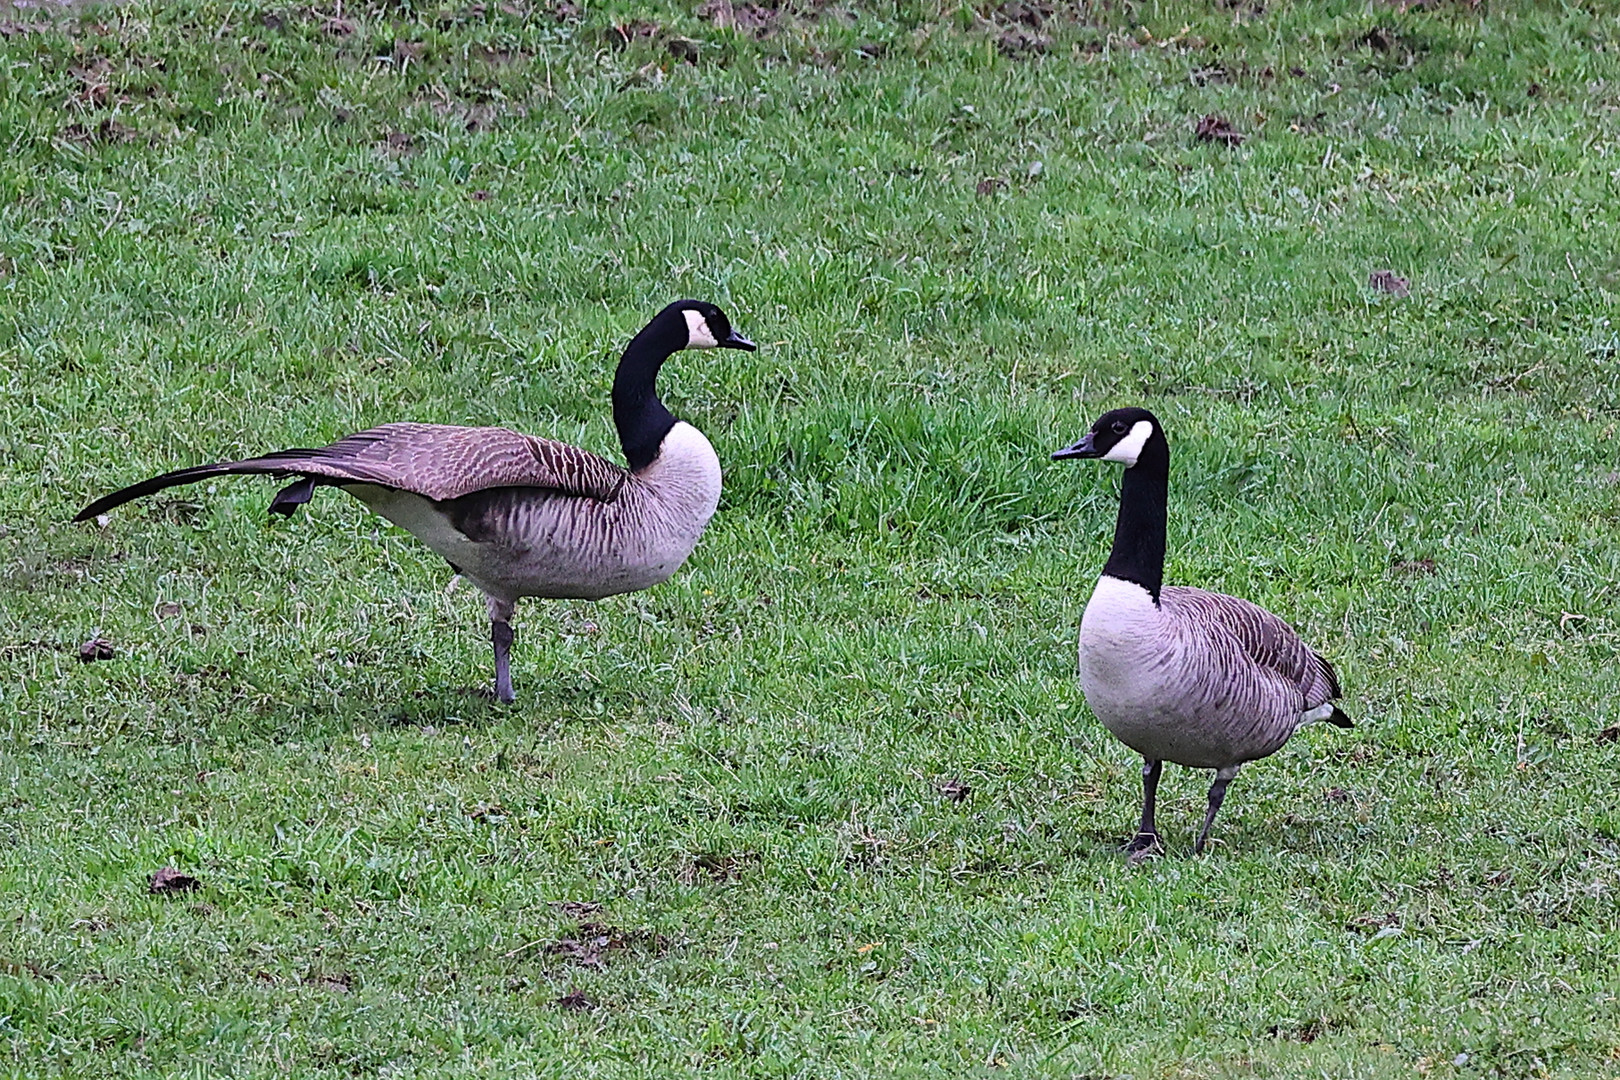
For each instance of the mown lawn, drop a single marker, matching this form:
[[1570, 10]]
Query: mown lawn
[[829, 803]]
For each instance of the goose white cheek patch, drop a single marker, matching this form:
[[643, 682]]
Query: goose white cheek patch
[[1128, 449], [698, 334]]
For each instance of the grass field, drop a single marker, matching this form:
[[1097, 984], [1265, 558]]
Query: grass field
[[829, 803]]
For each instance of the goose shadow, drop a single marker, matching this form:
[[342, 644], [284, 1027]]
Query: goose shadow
[[553, 703]]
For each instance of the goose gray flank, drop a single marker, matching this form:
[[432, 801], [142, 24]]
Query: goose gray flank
[[1178, 674], [521, 516]]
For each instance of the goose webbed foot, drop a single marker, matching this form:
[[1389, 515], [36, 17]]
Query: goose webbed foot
[[1143, 846], [1217, 793]]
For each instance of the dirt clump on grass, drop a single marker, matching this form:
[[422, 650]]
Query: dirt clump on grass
[[107, 131], [1215, 128], [760, 19], [1374, 922], [1388, 281], [592, 943], [168, 881], [1379, 39], [755, 20], [621, 35], [716, 866], [341, 983], [1017, 41], [398, 144], [1020, 27], [1307, 1032], [574, 1001], [96, 649], [578, 909]]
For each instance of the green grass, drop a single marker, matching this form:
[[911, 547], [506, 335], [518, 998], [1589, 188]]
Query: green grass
[[210, 245]]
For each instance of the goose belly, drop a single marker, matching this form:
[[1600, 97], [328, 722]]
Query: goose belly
[[1138, 681], [517, 542], [420, 517], [582, 553]]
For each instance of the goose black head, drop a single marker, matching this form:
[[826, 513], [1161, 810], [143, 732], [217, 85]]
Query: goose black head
[[1119, 435], [707, 327]]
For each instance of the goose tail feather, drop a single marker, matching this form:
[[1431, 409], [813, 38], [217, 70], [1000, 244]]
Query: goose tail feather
[[284, 503]]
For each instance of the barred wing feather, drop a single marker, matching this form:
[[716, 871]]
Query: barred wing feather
[[1264, 638], [435, 461]]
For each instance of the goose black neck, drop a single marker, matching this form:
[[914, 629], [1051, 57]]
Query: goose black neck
[[641, 419], [1139, 531]]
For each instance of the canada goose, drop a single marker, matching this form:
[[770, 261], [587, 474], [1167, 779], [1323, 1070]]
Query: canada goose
[[1205, 680], [519, 515]]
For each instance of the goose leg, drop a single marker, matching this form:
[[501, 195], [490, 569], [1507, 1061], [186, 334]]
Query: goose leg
[[1217, 792], [1147, 837], [500, 635]]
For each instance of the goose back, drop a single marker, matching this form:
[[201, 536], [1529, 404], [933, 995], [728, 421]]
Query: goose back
[[440, 461]]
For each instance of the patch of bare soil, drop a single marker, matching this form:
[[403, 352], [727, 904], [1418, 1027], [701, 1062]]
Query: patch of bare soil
[[1227, 74], [756, 20], [760, 19], [1373, 922], [1307, 1032], [621, 35], [1388, 281], [406, 53], [1020, 26], [717, 866], [1379, 39], [473, 115], [397, 144], [96, 649], [1215, 128], [107, 131], [578, 909], [592, 943], [19, 18], [168, 881], [574, 1001]]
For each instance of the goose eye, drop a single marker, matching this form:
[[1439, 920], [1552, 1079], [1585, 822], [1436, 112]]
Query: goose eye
[[1119, 427]]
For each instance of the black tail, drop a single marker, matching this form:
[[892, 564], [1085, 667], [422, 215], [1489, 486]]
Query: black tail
[[154, 485], [1339, 719], [261, 466]]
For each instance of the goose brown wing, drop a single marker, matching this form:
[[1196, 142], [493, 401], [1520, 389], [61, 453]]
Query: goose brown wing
[[1264, 638], [440, 462], [435, 461]]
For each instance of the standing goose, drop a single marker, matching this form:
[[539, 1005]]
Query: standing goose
[[519, 515], [1205, 680]]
